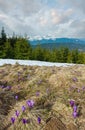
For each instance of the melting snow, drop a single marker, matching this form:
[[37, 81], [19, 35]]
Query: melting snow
[[32, 63]]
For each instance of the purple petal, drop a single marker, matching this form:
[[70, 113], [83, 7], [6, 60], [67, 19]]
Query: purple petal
[[23, 108], [75, 114], [72, 103], [75, 79], [24, 121], [16, 97], [37, 93], [17, 113], [39, 120], [12, 120], [30, 103], [75, 108]]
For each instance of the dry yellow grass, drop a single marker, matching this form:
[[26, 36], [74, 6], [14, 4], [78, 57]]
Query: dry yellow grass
[[56, 86]]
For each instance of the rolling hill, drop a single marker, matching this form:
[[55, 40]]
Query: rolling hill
[[71, 43]]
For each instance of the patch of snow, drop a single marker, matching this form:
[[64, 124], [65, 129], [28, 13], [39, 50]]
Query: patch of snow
[[32, 63]]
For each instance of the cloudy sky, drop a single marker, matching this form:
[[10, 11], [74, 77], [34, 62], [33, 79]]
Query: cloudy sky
[[56, 18]]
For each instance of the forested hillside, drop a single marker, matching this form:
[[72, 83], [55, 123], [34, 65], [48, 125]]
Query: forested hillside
[[51, 43], [17, 47]]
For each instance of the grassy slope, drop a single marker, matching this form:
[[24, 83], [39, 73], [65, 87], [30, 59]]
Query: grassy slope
[[57, 85]]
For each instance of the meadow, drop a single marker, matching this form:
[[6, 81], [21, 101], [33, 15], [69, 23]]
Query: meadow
[[42, 98]]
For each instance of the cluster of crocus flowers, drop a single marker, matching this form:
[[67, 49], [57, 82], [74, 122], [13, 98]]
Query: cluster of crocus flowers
[[77, 89], [5, 87], [75, 108], [30, 104], [13, 118]]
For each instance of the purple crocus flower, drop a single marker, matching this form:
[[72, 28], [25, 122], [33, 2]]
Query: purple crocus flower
[[37, 93], [30, 103], [16, 97], [17, 113], [75, 114], [12, 120], [74, 108], [8, 87], [72, 103], [39, 120], [83, 88], [23, 108], [3, 86], [75, 79], [78, 90], [24, 121]]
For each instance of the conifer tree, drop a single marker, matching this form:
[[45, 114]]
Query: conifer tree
[[3, 36], [22, 49]]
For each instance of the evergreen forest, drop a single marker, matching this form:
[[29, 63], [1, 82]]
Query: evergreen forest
[[17, 47]]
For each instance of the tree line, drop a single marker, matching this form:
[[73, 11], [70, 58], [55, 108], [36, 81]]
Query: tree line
[[17, 47]]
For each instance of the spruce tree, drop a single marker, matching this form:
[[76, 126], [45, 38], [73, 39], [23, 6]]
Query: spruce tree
[[3, 36]]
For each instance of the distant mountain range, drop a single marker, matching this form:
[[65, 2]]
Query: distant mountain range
[[50, 43]]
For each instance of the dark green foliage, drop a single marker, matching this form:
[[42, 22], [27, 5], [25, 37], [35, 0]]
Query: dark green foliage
[[81, 58], [2, 53], [38, 53], [2, 42], [19, 48], [8, 50], [13, 40], [46, 55], [75, 56], [22, 49], [3, 37]]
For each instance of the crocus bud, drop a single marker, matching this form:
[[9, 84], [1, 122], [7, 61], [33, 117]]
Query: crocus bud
[[74, 108], [23, 108], [75, 114], [17, 113], [39, 120], [16, 97], [72, 103], [12, 120]]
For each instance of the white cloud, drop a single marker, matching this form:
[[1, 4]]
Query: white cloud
[[37, 17], [43, 21]]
